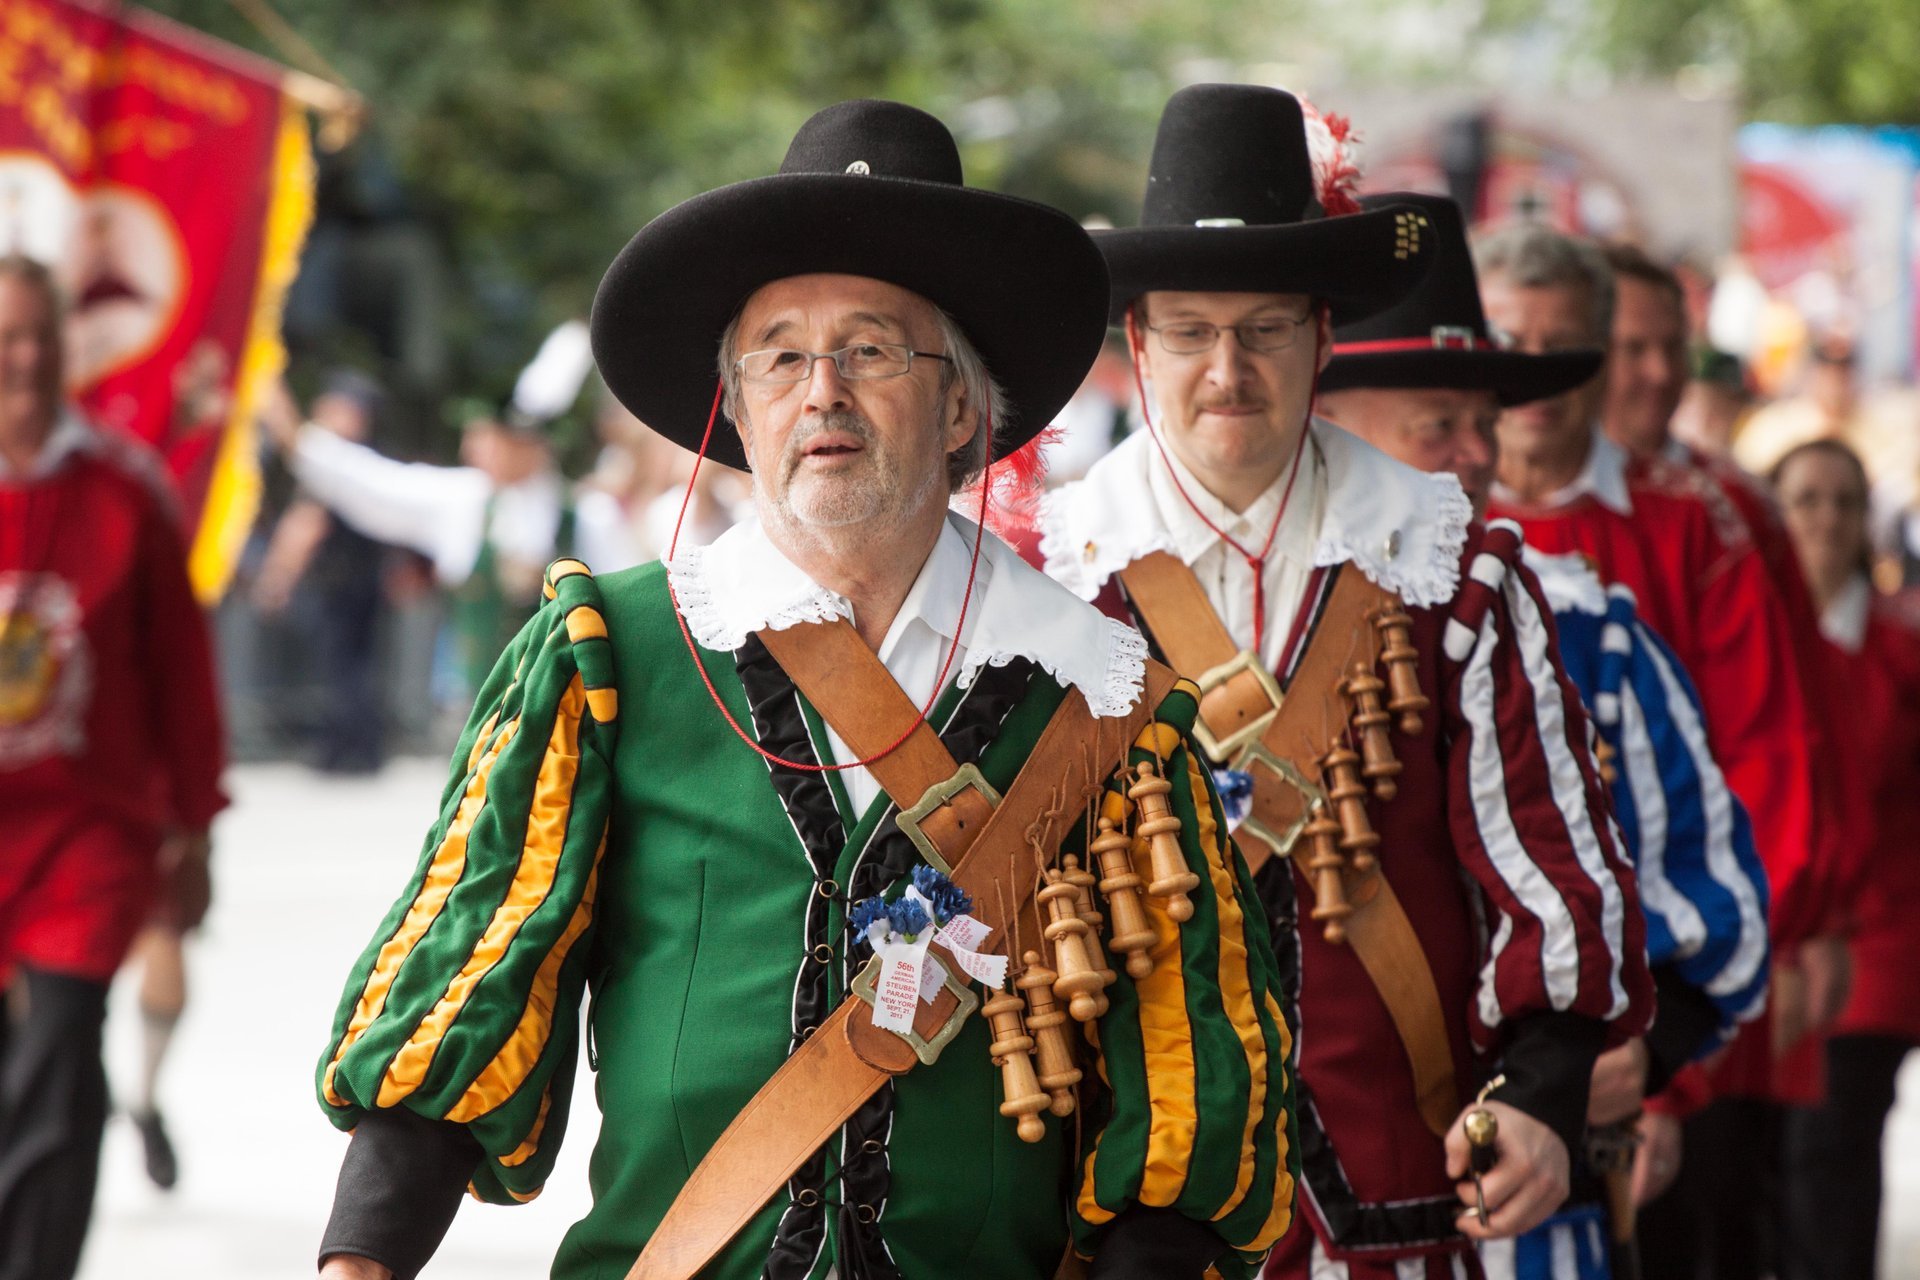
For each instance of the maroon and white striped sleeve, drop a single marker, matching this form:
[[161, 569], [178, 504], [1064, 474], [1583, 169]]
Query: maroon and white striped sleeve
[[1530, 815]]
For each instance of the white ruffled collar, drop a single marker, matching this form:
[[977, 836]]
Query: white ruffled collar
[[742, 584], [1403, 528], [1844, 620]]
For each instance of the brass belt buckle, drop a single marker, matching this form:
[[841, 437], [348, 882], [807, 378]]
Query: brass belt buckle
[[1222, 750], [1281, 842], [925, 1048], [936, 795]]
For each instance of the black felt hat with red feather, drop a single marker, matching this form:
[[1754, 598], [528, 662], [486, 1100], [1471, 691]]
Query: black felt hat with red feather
[[1237, 202]]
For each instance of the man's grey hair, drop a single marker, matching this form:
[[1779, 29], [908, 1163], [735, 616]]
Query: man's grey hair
[[1533, 256], [963, 365]]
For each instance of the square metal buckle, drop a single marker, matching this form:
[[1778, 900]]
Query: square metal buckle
[[1281, 842], [936, 795], [925, 1048], [1222, 750]]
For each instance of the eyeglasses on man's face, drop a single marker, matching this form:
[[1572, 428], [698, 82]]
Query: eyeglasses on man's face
[[1263, 334], [863, 360]]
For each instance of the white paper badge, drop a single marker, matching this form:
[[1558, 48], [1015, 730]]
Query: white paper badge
[[897, 991]]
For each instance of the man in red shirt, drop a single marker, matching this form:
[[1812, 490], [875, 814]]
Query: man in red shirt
[[1647, 369], [110, 758], [1671, 534]]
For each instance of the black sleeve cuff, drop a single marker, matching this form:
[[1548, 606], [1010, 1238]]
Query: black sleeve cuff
[[1685, 1023], [399, 1188], [1549, 1068], [1143, 1243]]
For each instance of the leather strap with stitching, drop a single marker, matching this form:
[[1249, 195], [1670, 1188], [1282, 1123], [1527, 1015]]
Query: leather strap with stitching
[[840, 1066], [1170, 599]]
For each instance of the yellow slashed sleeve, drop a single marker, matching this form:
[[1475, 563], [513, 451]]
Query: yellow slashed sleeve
[[465, 1005]]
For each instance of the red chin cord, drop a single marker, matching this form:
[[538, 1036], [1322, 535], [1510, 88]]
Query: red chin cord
[[693, 650], [1256, 561]]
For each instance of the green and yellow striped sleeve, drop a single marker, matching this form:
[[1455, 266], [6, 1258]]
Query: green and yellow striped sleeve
[[1195, 1059], [465, 1004]]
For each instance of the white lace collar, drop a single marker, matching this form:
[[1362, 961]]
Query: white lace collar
[[1844, 620], [1603, 476], [1403, 528], [742, 583]]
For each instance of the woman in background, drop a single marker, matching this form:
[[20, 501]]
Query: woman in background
[[1833, 1150]]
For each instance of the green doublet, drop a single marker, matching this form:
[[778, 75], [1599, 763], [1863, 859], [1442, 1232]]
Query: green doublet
[[697, 925]]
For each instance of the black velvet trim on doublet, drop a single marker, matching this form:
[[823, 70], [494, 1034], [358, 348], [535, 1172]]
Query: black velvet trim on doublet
[[1352, 1222], [808, 800], [400, 1186], [858, 1193]]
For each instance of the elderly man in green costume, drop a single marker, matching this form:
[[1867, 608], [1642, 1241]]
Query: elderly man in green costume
[[772, 805]]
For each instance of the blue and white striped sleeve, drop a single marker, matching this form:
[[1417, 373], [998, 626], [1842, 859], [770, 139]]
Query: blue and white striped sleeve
[[1702, 885]]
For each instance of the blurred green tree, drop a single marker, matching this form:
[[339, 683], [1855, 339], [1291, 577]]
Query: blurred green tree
[[537, 137], [1794, 61]]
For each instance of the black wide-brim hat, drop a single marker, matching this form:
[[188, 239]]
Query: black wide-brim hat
[[1233, 206], [1437, 336], [868, 188]]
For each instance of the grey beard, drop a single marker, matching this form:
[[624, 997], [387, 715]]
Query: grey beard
[[881, 493]]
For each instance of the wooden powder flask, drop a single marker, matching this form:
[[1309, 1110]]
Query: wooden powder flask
[[1078, 983], [1340, 774], [1132, 936], [1172, 879], [1371, 717], [1083, 882], [1010, 1049], [1048, 1027], [1403, 680], [1326, 866]]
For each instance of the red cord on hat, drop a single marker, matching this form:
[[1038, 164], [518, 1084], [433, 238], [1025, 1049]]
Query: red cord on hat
[[940, 682], [1256, 561]]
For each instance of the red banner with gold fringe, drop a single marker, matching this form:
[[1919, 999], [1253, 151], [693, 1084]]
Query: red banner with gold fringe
[[168, 179]]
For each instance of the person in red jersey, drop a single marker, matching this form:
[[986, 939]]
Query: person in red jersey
[[1647, 366], [1834, 1149], [1670, 534], [110, 760]]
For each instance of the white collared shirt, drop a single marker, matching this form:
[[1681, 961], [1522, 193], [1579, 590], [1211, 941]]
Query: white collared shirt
[[1844, 620], [1603, 476], [743, 583], [1223, 572]]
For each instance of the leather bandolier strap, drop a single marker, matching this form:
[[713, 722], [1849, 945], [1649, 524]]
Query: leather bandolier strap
[[951, 813], [1254, 726]]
